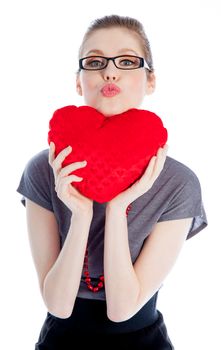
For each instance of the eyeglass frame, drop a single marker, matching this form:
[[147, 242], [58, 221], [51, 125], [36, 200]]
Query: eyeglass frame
[[143, 63]]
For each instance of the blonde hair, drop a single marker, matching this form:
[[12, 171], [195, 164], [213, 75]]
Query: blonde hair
[[129, 23]]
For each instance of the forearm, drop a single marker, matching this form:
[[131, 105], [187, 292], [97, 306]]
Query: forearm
[[121, 283], [62, 281]]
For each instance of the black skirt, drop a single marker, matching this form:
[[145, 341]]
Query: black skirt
[[88, 326]]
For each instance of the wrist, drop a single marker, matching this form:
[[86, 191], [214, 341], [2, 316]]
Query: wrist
[[82, 215], [114, 207]]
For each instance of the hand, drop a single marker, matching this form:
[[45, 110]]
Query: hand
[[142, 185], [69, 195]]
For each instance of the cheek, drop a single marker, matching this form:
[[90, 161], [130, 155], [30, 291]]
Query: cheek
[[88, 84], [142, 81], [88, 90], [137, 86]]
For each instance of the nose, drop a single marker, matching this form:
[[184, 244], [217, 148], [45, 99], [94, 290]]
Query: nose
[[111, 72]]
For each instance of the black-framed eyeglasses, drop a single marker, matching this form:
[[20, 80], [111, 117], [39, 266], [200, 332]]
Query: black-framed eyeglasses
[[125, 62]]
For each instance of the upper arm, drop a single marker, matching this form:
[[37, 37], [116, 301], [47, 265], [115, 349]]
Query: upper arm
[[159, 254], [43, 237]]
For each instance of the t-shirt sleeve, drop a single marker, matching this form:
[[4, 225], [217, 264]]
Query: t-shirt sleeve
[[186, 201], [35, 183]]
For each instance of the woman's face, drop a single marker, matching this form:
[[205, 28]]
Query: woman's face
[[132, 85]]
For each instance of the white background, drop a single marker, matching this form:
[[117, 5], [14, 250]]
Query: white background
[[39, 46]]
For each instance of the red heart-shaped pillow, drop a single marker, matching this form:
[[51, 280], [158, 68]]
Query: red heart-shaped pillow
[[117, 148]]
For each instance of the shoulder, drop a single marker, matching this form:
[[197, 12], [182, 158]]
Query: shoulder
[[39, 158], [38, 168], [38, 162], [180, 189], [182, 194], [175, 166], [179, 173], [37, 179], [179, 183]]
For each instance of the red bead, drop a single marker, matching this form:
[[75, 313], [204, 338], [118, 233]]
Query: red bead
[[87, 279], [95, 289], [128, 209], [100, 284], [101, 278]]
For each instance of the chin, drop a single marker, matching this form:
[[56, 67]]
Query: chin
[[108, 111]]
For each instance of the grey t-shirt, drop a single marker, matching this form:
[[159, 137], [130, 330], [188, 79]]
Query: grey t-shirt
[[176, 194]]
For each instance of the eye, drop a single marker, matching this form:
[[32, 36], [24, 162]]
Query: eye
[[130, 62], [126, 62], [93, 62]]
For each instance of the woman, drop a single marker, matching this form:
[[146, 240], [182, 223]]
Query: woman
[[133, 251]]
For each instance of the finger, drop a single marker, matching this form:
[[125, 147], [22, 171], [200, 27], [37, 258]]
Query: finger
[[147, 176], [51, 155], [63, 182], [160, 160], [155, 165], [149, 170], [71, 167], [152, 171], [57, 163], [162, 151], [165, 148]]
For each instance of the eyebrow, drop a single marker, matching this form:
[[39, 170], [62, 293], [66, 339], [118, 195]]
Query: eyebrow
[[99, 52]]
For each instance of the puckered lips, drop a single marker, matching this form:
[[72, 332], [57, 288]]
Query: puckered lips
[[110, 90]]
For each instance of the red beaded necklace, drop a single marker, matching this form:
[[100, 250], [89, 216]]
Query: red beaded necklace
[[86, 273]]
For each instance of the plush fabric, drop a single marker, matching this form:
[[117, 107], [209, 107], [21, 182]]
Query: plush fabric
[[117, 148]]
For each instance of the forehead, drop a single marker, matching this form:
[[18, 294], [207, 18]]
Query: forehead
[[111, 41]]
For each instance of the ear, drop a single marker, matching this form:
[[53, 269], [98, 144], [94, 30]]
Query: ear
[[78, 85], [151, 83]]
